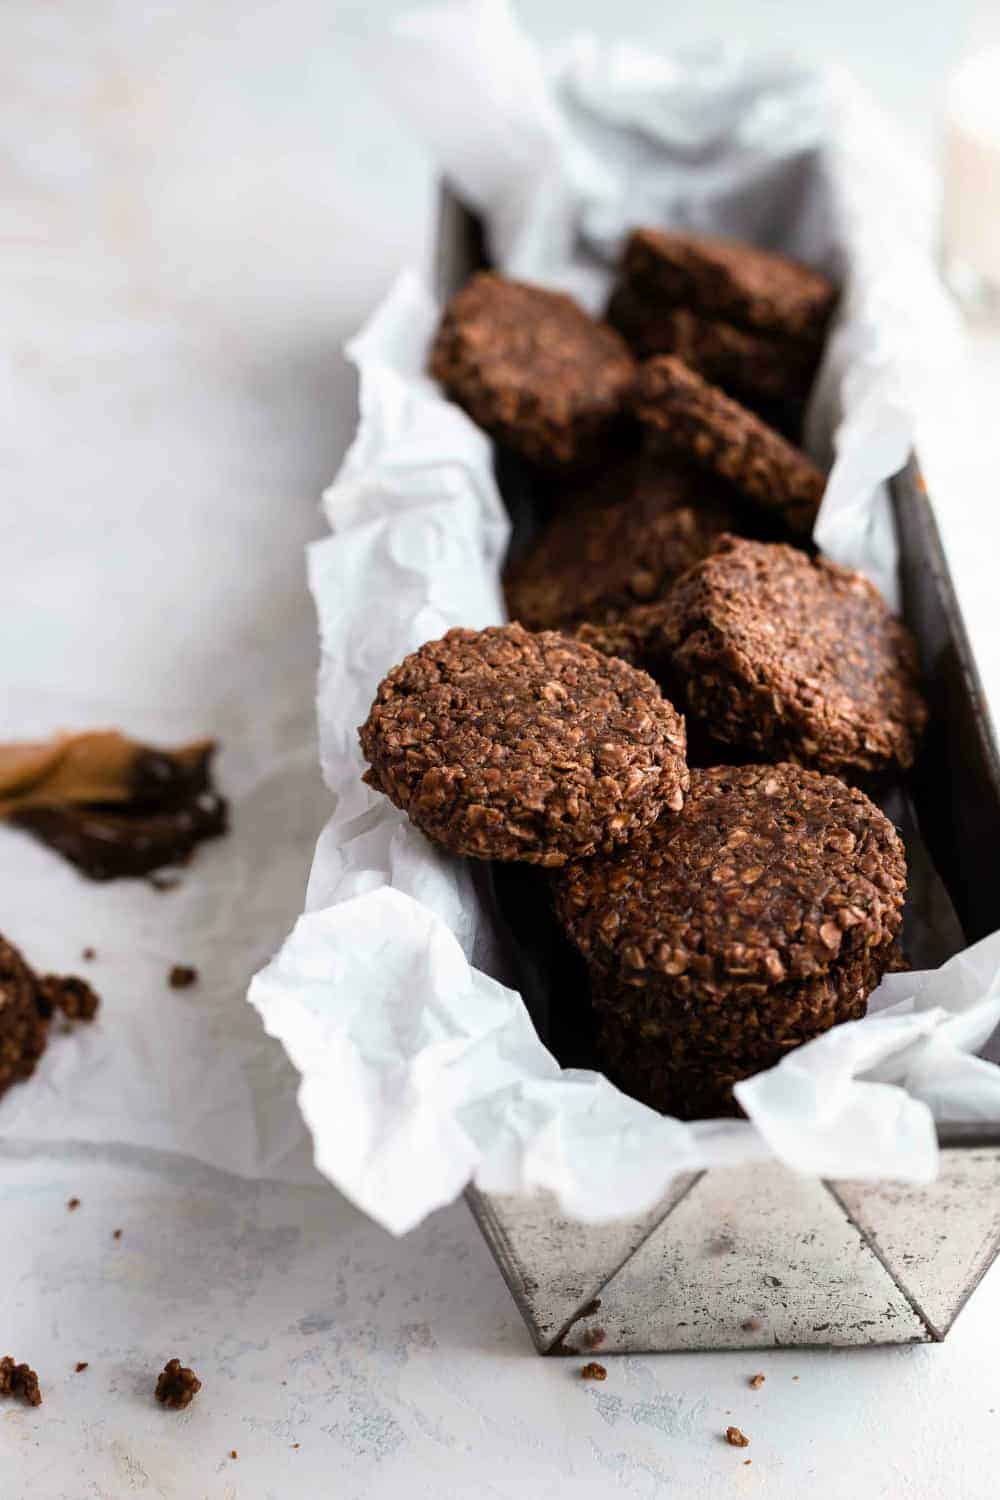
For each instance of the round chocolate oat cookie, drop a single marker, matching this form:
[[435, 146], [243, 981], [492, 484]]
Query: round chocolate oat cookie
[[684, 414], [500, 744], [532, 368], [591, 565], [794, 659], [770, 875], [752, 288]]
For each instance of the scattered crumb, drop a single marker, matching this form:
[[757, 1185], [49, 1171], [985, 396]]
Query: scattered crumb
[[81, 1365], [117, 1235], [20, 1382], [594, 1338], [233, 1453], [737, 1439], [164, 882], [177, 1386], [182, 976], [69, 994], [756, 1381], [747, 1461], [89, 954], [73, 1203], [593, 1371], [795, 1377], [751, 1325], [296, 1445]]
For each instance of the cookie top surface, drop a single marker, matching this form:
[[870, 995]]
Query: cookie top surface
[[501, 744], [592, 564], [532, 367], [770, 874], [794, 657], [684, 414], [721, 278]]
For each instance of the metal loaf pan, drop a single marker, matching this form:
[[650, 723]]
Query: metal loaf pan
[[758, 1256]]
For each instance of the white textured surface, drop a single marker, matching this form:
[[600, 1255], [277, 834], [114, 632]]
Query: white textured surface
[[199, 203]]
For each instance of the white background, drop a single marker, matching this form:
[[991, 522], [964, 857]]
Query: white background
[[199, 202]]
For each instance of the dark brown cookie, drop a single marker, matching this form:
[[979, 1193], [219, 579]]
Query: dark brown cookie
[[23, 1024], [683, 1059], [635, 635], [500, 744], [592, 564], [685, 415], [749, 365], [752, 288], [794, 659], [532, 368], [771, 875]]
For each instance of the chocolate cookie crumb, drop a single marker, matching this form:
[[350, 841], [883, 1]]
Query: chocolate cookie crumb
[[532, 368], [74, 1203], [737, 1439], [182, 977], [20, 1382], [593, 1371], [177, 1385], [593, 1338], [756, 1381], [117, 1235], [751, 1325], [502, 744], [89, 954], [81, 1365], [233, 1453], [70, 994]]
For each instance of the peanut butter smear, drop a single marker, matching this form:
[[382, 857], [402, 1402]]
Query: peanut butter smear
[[71, 769], [109, 804]]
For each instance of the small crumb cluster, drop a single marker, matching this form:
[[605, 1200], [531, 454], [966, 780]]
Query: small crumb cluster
[[177, 1385], [20, 1382]]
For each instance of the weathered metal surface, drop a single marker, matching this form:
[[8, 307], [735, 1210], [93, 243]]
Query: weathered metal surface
[[750, 1258], [937, 1240], [553, 1265]]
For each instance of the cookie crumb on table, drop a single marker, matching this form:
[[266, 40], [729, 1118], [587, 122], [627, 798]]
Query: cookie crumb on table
[[117, 1235], [182, 976], [593, 1371], [177, 1385], [751, 1325], [19, 1381], [73, 1204], [756, 1381], [233, 1453], [89, 954], [737, 1439], [81, 1365]]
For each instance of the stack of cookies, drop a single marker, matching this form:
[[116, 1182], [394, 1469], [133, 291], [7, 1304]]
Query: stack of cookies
[[729, 903]]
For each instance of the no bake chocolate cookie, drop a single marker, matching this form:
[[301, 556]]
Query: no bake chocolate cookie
[[532, 368], [595, 563], [501, 744], [795, 658], [743, 285], [763, 914], [683, 414]]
